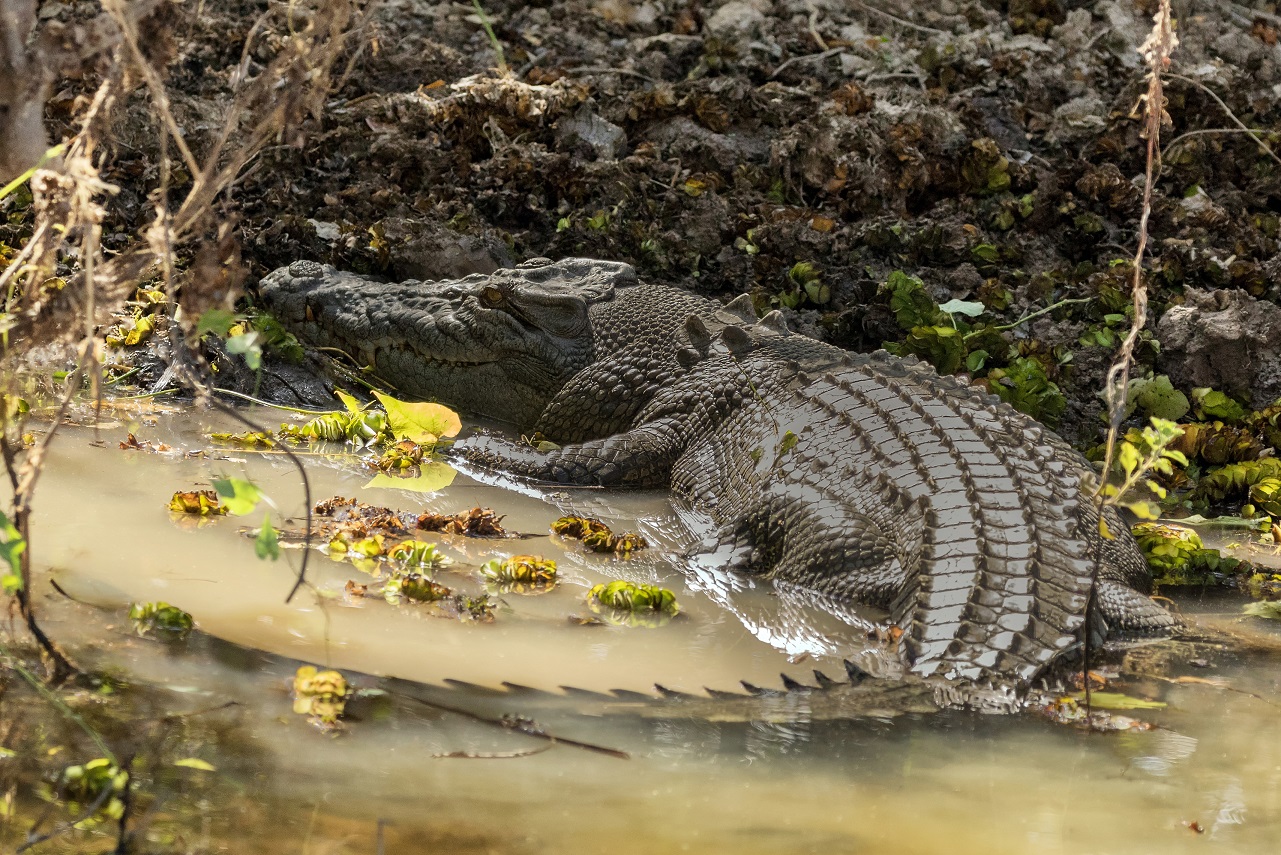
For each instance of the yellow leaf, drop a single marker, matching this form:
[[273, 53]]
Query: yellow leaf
[[432, 477], [1144, 510], [1118, 701], [423, 423], [1129, 457], [352, 405], [195, 763]]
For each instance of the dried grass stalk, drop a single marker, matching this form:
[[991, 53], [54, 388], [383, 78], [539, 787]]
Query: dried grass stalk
[[70, 199], [1156, 51]]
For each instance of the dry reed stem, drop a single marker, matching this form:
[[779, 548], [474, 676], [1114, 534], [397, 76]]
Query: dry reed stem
[[69, 207], [1156, 51]]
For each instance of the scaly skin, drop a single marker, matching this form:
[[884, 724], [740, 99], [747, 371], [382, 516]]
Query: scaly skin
[[865, 478]]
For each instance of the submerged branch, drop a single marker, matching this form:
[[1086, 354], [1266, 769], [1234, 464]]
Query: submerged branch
[[524, 727]]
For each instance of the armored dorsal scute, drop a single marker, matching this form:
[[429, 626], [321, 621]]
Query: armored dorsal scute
[[738, 310], [736, 339], [700, 337], [773, 324]]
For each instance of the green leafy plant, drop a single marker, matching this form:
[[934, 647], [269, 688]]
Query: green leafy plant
[[423, 423], [807, 281], [941, 346], [911, 305], [267, 543], [320, 695], [985, 169], [633, 597], [1235, 480], [1157, 397], [273, 336], [493, 39], [1023, 384], [131, 331], [1216, 444], [1166, 547], [148, 617], [99, 782], [238, 497], [415, 587], [598, 537], [364, 425], [418, 553], [1266, 496], [1210, 404], [1135, 459], [12, 545], [521, 569], [50, 154], [203, 503], [357, 425], [1178, 557], [1268, 609], [968, 308]]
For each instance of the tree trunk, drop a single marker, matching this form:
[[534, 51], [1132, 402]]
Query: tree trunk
[[24, 84]]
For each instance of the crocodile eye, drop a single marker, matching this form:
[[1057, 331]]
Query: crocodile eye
[[491, 297]]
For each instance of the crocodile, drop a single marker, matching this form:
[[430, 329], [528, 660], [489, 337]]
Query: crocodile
[[864, 478]]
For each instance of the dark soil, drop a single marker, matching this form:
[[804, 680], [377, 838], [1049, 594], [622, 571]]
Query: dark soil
[[988, 148]]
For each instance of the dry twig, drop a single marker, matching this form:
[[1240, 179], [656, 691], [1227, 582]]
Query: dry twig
[[69, 206], [1156, 51]]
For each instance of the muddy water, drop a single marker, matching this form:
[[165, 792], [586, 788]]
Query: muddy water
[[786, 775]]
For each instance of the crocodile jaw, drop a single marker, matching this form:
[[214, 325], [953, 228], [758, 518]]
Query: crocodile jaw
[[431, 340]]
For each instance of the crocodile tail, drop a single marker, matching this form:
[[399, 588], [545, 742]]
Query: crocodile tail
[[1005, 567]]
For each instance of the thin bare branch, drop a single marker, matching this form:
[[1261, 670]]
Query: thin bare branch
[[1156, 51], [1228, 110]]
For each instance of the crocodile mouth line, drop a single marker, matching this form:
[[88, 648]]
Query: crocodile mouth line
[[440, 362]]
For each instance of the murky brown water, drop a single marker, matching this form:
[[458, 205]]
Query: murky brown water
[[794, 781]]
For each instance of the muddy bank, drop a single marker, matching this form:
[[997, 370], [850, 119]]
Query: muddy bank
[[987, 148]]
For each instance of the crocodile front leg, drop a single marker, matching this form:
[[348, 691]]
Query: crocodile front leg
[[1130, 614], [641, 457]]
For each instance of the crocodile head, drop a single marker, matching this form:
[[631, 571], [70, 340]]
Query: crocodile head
[[499, 345]]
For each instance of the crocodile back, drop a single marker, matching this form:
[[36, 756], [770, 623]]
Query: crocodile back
[[980, 507]]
